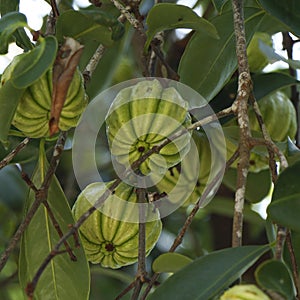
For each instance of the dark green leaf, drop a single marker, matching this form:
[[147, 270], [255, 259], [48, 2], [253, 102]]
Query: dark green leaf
[[63, 278], [35, 63], [7, 6], [9, 99], [209, 274], [170, 262], [219, 4], [254, 192], [9, 23], [287, 12], [82, 28], [22, 40], [207, 63], [169, 16], [292, 152], [285, 211], [274, 275], [287, 183]]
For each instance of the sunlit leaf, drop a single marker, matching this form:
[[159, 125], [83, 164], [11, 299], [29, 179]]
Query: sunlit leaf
[[169, 16], [170, 262], [63, 278], [208, 275], [274, 275]]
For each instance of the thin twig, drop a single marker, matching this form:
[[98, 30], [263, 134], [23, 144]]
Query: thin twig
[[40, 197], [179, 238], [241, 103], [5, 161], [295, 269]]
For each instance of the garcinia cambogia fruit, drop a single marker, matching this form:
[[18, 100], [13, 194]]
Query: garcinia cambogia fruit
[[111, 241], [279, 116], [256, 58], [33, 111], [244, 292], [186, 182], [141, 117]]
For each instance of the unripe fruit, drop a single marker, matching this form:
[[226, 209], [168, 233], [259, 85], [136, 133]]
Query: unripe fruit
[[244, 292], [33, 111], [256, 58], [279, 116], [141, 117], [111, 241]]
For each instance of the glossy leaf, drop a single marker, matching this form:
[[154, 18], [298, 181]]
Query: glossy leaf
[[63, 278], [82, 28], [169, 16], [9, 99], [287, 12], [208, 275], [207, 63], [7, 6], [170, 262], [274, 275], [285, 211], [35, 63], [9, 23]]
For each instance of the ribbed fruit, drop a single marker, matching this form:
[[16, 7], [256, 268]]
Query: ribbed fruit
[[244, 292], [185, 182], [33, 111], [113, 242], [141, 117]]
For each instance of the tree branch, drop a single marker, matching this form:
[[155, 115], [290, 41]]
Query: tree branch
[[241, 108]]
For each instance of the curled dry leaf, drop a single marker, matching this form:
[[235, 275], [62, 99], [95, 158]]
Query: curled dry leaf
[[63, 70]]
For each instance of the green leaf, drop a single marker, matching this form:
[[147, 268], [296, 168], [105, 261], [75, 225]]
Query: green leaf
[[9, 99], [274, 275], [207, 63], [274, 57], [9, 23], [35, 63], [7, 6], [63, 278], [285, 211], [82, 28], [164, 16], [287, 12], [170, 262], [208, 275], [287, 183], [292, 152], [254, 192], [219, 4]]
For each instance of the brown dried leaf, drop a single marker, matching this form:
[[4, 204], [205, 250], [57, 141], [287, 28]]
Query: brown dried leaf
[[63, 70]]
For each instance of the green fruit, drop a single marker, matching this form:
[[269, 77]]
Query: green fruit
[[111, 241], [141, 117], [257, 59], [244, 292], [279, 116], [185, 183], [33, 111]]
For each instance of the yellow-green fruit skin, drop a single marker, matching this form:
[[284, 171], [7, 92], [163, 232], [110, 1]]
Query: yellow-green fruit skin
[[279, 116], [257, 59], [244, 292], [189, 181], [141, 117], [33, 111], [108, 241]]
